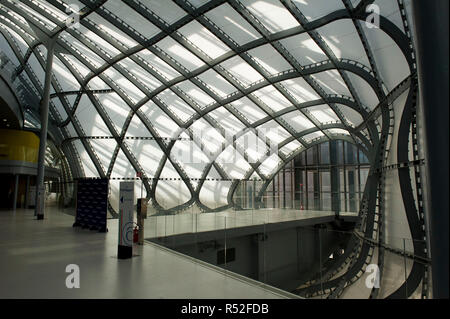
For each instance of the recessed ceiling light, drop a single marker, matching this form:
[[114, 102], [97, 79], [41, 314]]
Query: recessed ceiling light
[[5, 120]]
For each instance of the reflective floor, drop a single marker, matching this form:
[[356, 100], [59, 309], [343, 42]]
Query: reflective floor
[[34, 255]]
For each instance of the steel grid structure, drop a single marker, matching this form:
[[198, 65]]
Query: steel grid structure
[[133, 72]]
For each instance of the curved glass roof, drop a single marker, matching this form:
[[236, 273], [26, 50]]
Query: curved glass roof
[[198, 94]]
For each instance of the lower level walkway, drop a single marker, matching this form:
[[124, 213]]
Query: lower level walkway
[[34, 255]]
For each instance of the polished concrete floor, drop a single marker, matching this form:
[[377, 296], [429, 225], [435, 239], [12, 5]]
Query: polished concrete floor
[[34, 255]]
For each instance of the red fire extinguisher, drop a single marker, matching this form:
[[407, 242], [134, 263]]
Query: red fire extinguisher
[[135, 234]]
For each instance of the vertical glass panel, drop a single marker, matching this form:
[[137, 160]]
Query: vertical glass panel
[[325, 153]]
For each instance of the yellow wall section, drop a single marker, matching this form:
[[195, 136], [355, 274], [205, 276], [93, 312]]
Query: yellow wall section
[[19, 146]]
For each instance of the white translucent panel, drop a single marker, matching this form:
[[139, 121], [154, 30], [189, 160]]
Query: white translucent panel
[[204, 39], [92, 37], [166, 10], [112, 30], [6, 50], [272, 61], [398, 105], [90, 120], [309, 137], [272, 98], [217, 83], [59, 107], [300, 90], [298, 121], [190, 157], [137, 128], [210, 137], [148, 153], [71, 130], [253, 146], [122, 166], [241, 70], [250, 110], [116, 108], [390, 10], [392, 65], [104, 148], [341, 36], [290, 147], [171, 193], [176, 105], [363, 90], [22, 45], [56, 13], [132, 18], [272, 14], [214, 193], [65, 78], [160, 121], [98, 84], [233, 163], [198, 3], [80, 67], [227, 121], [350, 114], [180, 54], [323, 113], [227, 19], [129, 88], [270, 165], [338, 131], [86, 161], [36, 18], [93, 58], [169, 171], [143, 76], [318, 8], [274, 132], [195, 93], [37, 68], [158, 65], [332, 82]]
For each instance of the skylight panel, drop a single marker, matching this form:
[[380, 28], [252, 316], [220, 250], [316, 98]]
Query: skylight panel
[[143, 76], [56, 13], [90, 56], [249, 109], [160, 121], [116, 108], [350, 115], [38, 18], [166, 10], [304, 49], [112, 30], [195, 93], [271, 13], [79, 66], [89, 119], [97, 84], [274, 132], [318, 8], [290, 147], [66, 79], [253, 146], [269, 59], [132, 18], [298, 121], [126, 85], [233, 163], [227, 120], [334, 131], [158, 65], [228, 20], [323, 113], [341, 36], [300, 90], [272, 98], [180, 54], [176, 105], [204, 39], [332, 82], [148, 153], [242, 70], [110, 50], [270, 165], [217, 83], [312, 136], [364, 90]]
